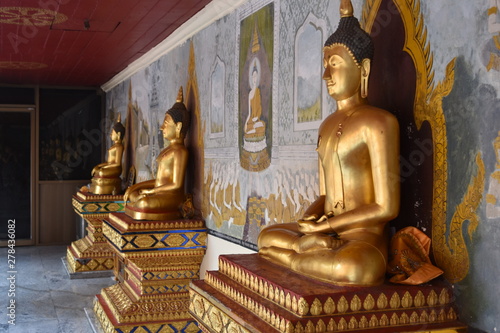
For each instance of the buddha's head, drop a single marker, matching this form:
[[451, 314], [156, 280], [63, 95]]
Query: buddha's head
[[118, 130], [348, 53], [177, 119]]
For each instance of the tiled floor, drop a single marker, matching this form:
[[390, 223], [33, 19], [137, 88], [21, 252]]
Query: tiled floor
[[47, 300]]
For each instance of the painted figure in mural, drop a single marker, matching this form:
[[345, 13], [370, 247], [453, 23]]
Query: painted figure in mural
[[255, 98], [493, 195], [162, 198], [106, 176], [492, 48], [254, 126], [343, 237]]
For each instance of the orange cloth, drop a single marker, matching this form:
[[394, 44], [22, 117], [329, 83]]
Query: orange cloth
[[409, 261]]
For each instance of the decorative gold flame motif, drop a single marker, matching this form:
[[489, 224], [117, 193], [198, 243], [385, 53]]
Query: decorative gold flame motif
[[428, 107]]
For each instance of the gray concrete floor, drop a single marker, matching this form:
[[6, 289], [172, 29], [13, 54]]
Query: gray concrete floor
[[46, 299]]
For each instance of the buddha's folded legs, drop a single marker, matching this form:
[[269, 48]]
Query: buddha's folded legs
[[353, 263], [279, 235], [108, 172], [287, 236], [156, 202]]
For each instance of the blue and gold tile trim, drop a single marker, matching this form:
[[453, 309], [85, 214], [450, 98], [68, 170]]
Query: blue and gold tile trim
[[96, 205], [163, 240]]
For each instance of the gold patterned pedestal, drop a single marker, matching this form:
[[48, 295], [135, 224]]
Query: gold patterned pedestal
[[92, 256], [250, 294], [155, 262]]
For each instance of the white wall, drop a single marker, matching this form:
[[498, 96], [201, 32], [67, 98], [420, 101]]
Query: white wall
[[215, 247]]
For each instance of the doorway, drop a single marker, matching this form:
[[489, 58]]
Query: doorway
[[17, 174]]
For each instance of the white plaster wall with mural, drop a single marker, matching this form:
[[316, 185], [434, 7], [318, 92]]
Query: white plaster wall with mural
[[259, 163]]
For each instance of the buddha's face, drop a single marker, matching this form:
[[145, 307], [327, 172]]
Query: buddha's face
[[169, 128], [114, 136], [254, 79], [342, 75]]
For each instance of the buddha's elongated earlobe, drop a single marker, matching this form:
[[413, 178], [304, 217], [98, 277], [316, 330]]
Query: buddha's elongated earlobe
[[178, 128], [364, 86], [365, 74]]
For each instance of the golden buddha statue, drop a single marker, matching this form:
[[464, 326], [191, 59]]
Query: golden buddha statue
[[343, 236], [106, 176], [163, 198]]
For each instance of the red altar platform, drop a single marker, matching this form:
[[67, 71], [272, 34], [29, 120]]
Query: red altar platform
[[251, 294]]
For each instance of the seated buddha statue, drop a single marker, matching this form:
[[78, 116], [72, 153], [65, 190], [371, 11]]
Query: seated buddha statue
[[106, 176], [162, 198], [343, 236]]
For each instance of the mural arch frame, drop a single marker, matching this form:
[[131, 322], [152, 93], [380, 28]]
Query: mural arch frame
[[320, 25], [217, 94]]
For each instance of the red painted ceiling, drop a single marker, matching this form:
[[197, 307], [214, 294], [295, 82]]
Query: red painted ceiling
[[82, 42]]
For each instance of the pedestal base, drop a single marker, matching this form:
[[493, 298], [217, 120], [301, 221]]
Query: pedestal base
[[255, 161], [85, 275], [84, 256], [155, 262], [93, 322], [92, 253], [250, 294], [159, 315]]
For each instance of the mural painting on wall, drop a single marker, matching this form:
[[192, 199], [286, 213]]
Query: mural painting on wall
[[239, 212], [217, 91], [493, 195], [156, 140], [223, 199], [136, 139], [491, 50], [240, 203], [255, 88], [491, 59], [143, 138], [308, 96]]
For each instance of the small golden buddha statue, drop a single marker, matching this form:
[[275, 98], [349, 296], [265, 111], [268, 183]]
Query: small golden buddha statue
[[343, 237], [163, 198], [106, 176]]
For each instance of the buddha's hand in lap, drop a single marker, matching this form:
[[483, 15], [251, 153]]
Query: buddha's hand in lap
[[315, 242], [311, 224], [146, 192]]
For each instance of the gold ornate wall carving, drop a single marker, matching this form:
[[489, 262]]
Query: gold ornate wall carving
[[450, 250], [195, 143]]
